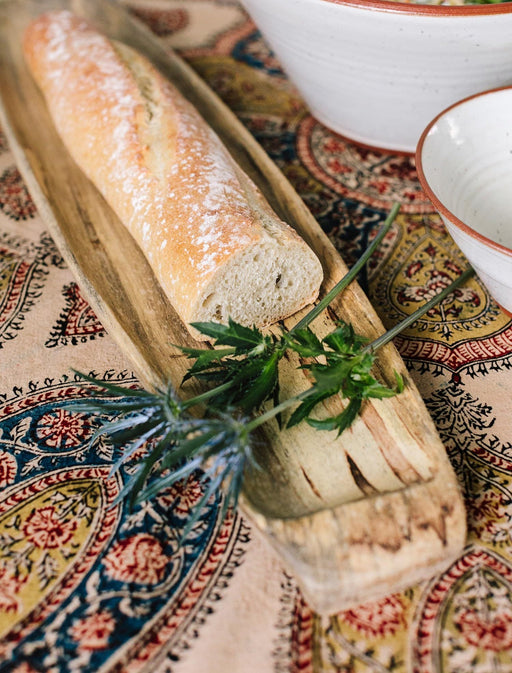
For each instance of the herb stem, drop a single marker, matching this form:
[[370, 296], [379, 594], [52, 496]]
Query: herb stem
[[204, 397], [406, 322], [380, 341], [351, 275], [275, 411]]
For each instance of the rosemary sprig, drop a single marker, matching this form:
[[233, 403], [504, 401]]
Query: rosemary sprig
[[243, 370]]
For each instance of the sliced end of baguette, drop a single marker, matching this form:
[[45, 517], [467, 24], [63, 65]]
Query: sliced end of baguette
[[263, 284], [268, 280]]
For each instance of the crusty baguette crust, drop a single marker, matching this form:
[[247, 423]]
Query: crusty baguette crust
[[168, 177]]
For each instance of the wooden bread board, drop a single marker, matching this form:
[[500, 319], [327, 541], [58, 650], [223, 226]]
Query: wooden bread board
[[355, 516]]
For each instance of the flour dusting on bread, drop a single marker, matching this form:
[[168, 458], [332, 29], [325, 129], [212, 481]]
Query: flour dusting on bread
[[213, 242]]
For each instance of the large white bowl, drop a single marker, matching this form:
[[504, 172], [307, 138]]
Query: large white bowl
[[377, 71], [464, 163]]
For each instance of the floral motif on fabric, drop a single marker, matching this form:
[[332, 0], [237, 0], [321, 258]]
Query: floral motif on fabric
[[10, 586], [370, 176], [377, 619], [473, 602], [465, 329], [215, 39], [77, 322], [182, 496], [139, 558], [8, 468], [45, 529], [294, 647], [368, 638], [489, 632], [62, 429], [489, 520], [80, 579], [24, 668], [465, 425], [93, 631], [254, 51], [242, 89], [15, 201], [23, 272], [50, 532]]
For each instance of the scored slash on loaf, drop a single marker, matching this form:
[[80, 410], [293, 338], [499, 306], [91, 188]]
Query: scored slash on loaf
[[215, 245]]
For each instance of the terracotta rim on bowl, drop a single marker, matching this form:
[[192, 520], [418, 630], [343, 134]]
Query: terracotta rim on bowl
[[433, 10], [439, 206]]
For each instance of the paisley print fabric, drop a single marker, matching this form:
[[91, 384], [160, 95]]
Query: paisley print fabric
[[86, 586]]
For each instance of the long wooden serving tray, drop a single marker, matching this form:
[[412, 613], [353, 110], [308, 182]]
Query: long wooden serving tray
[[354, 516]]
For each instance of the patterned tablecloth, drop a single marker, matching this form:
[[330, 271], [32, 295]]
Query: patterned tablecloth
[[85, 587]]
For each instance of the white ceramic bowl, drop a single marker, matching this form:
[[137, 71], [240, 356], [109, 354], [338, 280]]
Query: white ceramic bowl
[[377, 71], [464, 163]]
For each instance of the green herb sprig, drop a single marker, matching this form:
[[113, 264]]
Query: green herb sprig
[[244, 363], [243, 372]]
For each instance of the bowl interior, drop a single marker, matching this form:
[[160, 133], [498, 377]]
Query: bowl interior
[[466, 160]]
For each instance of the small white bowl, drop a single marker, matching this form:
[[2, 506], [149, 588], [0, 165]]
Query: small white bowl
[[464, 163], [376, 71]]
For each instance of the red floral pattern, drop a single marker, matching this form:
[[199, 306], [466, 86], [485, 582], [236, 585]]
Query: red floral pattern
[[494, 634], [63, 430], [139, 558], [46, 530], [182, 496], [466, 615], [8, 468], [93, 632], [31, 549], [10, 585], [371, 176], [377, 618]]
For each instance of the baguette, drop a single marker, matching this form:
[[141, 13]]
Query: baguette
[[215, 245]]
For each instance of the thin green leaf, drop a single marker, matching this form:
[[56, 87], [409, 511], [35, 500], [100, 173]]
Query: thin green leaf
[[344, 339], [123, 494], [168, 480], [306, 407], [113, 428], [263, 386], [400, 383], [107, 405], [232, 334], [235, 486], [114, 388], [186, 449], [340, 422], [214, 485], [132, 448], [330, 378], [207, 359], [378, 391], [127, 431], [305, 343], [148, 464]]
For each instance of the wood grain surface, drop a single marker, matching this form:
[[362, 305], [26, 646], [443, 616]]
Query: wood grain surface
[[353, 516]]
